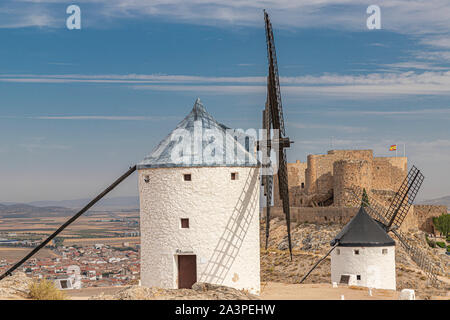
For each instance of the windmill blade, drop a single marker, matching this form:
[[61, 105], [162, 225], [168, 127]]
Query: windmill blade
[[268, 193], [273, 79], [419, 257], [284, 194], [404, 198], [277, 121], [267, 173], [318, 262], [376, 210]]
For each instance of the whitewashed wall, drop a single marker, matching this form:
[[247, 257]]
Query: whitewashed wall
[[223, 225], [376, 269]]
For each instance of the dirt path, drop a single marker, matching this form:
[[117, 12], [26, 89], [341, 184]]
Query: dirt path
[[322, 291]]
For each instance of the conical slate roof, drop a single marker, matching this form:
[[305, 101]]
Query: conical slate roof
[[198, 141], [363, 231]]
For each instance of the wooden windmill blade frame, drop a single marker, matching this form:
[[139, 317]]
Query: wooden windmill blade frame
[[274, 119], [404, 198]]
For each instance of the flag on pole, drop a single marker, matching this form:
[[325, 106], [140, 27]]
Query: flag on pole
[[393, 147]]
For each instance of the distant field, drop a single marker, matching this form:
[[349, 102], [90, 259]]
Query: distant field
[[87, 227], [88, 241], [14, 254]]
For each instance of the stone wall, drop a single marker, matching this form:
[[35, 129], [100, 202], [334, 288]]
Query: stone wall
[[316, 215], [424, 215], [296, 180], [389, 172], [347, 175], [324, 180], [419, 216]]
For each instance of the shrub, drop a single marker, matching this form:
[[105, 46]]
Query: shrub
[[442, 223], [45, 290], [431, 243], [440, 244]]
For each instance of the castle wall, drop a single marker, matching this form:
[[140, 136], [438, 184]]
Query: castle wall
[[347, 175], [296, 180], [327, 177], [419, 216], [424, 216], [316, 214], [319, 175], [389, 172]]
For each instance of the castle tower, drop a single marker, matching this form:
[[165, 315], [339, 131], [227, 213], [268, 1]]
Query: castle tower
[[348, 174], [365, 255], [199, 210]]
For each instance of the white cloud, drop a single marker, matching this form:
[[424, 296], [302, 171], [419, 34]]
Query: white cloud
[[403, 16], [336, 85], [347, 129], [109, 118]]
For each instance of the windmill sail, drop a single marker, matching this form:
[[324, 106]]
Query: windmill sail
[[274, 119], [404, 198]]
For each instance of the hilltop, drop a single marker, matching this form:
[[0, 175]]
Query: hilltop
[[21, 210], [445, 201], [130, 203]]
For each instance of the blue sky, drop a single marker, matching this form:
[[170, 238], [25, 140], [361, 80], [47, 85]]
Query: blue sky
[[79, 106]]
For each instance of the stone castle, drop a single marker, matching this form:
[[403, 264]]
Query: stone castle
[[318, 188]]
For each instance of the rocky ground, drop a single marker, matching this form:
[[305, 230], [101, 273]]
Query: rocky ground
[[311, 241], [15, 287], [199, 291]]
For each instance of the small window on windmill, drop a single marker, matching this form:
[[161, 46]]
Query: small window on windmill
[[358, 277], [338, 251], [384, 251], [303, 185], [63, 284], [345, 278], [185, 223], [147, 179], [356, 252], [187, 177], [234, 176]]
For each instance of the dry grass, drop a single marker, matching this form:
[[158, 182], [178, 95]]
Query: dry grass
[[357, 288], [45, 290]]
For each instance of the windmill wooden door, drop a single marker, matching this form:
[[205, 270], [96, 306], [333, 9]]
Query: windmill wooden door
[[187, 271]]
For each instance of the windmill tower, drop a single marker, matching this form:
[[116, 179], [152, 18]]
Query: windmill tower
[[199, 198], [389, 220], [364, 255], [199, 210]]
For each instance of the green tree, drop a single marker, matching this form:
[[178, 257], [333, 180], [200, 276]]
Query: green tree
[[58, 241], [442, 224], [365, 199]]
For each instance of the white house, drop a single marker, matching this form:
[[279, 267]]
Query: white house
[[365, 255], [71, 281], [199, 207]]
